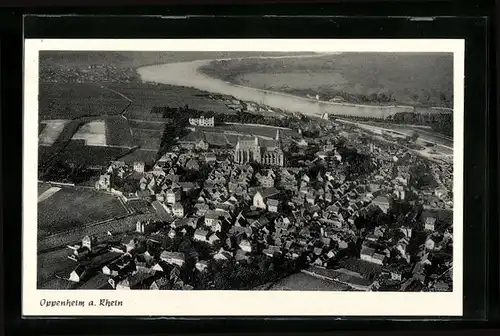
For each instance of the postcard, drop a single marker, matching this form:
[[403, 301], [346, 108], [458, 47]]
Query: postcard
[[243, 177]]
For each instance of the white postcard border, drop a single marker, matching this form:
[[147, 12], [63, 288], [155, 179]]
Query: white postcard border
[[235, 303]]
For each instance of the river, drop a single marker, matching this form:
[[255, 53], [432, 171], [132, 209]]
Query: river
[[187, 74]]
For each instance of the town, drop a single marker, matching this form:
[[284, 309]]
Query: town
[[356, 209]]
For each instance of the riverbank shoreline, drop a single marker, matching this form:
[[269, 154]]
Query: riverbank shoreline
[[186, 74], [209, 68]]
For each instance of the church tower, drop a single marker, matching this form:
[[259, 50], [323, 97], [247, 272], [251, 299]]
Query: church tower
[[278, 139], [256, 151]]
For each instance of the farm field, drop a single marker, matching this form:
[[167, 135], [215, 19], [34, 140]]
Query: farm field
[[51, 263], [76, 233], [50, 131], [56, 283], [145, 96], [69, 208], [45, 153], [140, 206], [304, 282], [43, 187], [118, 132], [69, 101], [409, 78], [48, 193], [141, 127], [76, 152], [147, 139], [92, 133], [147, 124], [91, 141]]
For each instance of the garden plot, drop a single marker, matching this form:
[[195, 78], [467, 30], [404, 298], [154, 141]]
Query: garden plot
[[51, 129], [93, 133]]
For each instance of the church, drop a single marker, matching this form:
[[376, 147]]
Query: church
[[251, 150]]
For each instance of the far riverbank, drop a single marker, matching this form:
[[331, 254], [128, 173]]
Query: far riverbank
[[187, 74]]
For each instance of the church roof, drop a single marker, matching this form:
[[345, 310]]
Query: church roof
[[248, 144]]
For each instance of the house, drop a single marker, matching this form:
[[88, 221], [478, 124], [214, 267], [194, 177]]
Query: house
[[222, 255], [117, 267], [130, 243], [271, 250], [441, 287], [202, 121], [343, 244], [212, 218], [87, 242], [160, 284], [162, 211], [272, 205], [302, 143], [144, 227], [209, 157], [407, 231], [331, 254], [78, 274], [104, 183], [201, 208], [171, 234], [188, 187], [176, 258], [81, 252], [192, 165], [430, 244], [383, 202], [378, 258], [430, 223], [311, 197], [178, 210], [245, 245], [144, 194], [139, 166], [182, 223], [201, 144], [201, 265], [260, 198], [317, 251], [241, 256], [369, 254], [213, 239], [328, 148], [173, 196], [396, 275], [200, 235], [161, 196], [136, 281], [266, 181], [322, 155], [334, 209]]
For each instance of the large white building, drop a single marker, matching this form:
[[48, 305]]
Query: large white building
[[202, 121]]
